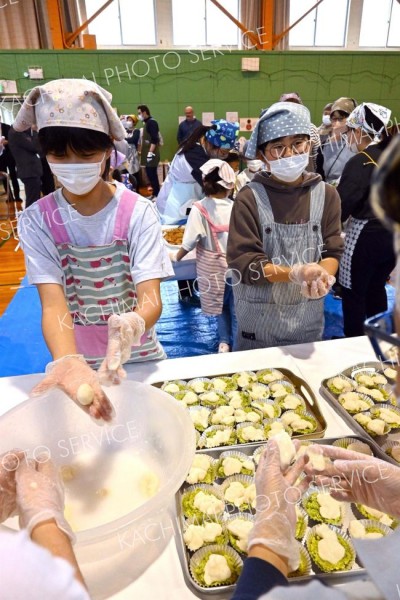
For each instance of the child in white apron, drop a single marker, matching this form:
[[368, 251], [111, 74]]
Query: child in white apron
[[207, 231], [93, 249]]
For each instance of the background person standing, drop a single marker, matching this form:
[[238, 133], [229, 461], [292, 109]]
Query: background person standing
[[26, 148], [188, 125], [150, 152]]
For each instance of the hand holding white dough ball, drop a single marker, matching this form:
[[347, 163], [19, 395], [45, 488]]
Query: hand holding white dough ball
[[85, 394]]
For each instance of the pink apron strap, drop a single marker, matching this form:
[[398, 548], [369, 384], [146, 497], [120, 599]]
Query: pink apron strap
[[126, 207], [214, 228], [52, 215]]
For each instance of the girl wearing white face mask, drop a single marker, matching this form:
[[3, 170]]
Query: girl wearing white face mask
[[284, 236], [252, 168], [94, 249], [368, 258]]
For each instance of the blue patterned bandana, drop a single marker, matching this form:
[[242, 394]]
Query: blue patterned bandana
[[224, 135], [279, 120]]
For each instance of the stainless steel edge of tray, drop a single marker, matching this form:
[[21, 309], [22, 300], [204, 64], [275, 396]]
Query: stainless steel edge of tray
[[184, 555], [301, 386], [349, 418]]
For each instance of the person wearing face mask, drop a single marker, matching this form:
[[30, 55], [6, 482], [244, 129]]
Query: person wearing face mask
[[368, 257], [325, 128], [335, 151], [284, 239], [93, 249], [25, 148], [247, 175]]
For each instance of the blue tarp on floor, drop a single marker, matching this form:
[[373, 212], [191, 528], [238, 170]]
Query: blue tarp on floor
[[182, 329]]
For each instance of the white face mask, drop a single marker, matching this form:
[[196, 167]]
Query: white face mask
[[141, 117], [255, 165], [78, 178], [290, 168], [326, 120]]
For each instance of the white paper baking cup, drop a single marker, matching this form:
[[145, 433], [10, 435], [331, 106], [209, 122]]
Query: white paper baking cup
[[373, 523], [340, 533], [201, 554], [361, 512], [241, 375], [372, 433], [178, 382], [306, 560], [257, 426], [193, 410], [205, 401], [231, 385], [377, 407], [199, 384], [386, 392], [204, 437], [268, 422], [299, 408], [387, 371], [211, 471], [238, 399], [261, 404], [378, 378], [348, 382], [215, 417], [306, 519], [388, 447], [344, 509], [269, 375], [306, 415], [246, 481], [367, 399], [204, 487], [257, 391], [345, 443], [257, 453], [234, 454], [288, 385], [232, 539], [187, 522]]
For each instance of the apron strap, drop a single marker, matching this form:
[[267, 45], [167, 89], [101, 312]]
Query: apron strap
[[263, 203], [126, 206], [317, 202], [371, 160], [51, 212], [213, 228]]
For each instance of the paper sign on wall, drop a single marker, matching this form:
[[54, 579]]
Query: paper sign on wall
[[207, 117], [232, 117], [248, 123], [180, 119]]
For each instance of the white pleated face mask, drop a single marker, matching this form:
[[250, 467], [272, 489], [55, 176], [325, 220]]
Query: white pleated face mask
[[78, 178], [289, 169]]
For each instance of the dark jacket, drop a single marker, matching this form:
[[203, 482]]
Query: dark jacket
[[25, 148], [6, 159], [186, 128]]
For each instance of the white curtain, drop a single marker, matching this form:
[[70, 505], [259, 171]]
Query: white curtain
[[282, 17], [19, 27], [250, 16]]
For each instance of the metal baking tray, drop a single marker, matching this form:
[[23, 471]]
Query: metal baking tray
[[378, 441], [301, 387], [357, 572]]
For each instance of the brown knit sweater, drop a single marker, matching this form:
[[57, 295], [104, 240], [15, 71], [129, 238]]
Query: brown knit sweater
[[290, 205]]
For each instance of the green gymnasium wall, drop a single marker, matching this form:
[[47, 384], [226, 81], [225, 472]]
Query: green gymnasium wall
[[212, 80]]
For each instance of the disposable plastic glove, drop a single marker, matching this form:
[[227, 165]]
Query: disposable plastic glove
[[8, 465], [314, 280], [40, 495], [69, 373], [124, 331], [356, 477], [150, 156], [277, 494]]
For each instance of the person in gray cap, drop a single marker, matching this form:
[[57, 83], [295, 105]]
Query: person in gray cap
[[284, 237]]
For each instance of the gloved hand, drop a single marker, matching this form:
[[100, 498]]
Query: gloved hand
[[124, 331], [356, 477], [150, 156], [8, 465], [40, 495], [69, 373], [315, 281], [275, 521]]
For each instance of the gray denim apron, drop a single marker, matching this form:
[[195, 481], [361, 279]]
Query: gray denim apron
[[276, 314]]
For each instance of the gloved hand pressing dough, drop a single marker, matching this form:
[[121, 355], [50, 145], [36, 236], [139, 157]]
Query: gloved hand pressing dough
[[73, 375], [275, 521], [40, 495], [124, 331], [315, 281], [8, 465]]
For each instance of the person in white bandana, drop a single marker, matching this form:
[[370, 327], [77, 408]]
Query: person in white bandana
[[247, 175], [368, 257], [284, 236]]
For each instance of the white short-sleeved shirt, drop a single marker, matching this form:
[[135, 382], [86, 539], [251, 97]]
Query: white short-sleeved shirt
[[30, 571], [147, 251], [196, 228]]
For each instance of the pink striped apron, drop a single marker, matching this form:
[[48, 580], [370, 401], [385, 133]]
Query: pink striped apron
[[98, 283], [211, 268]]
